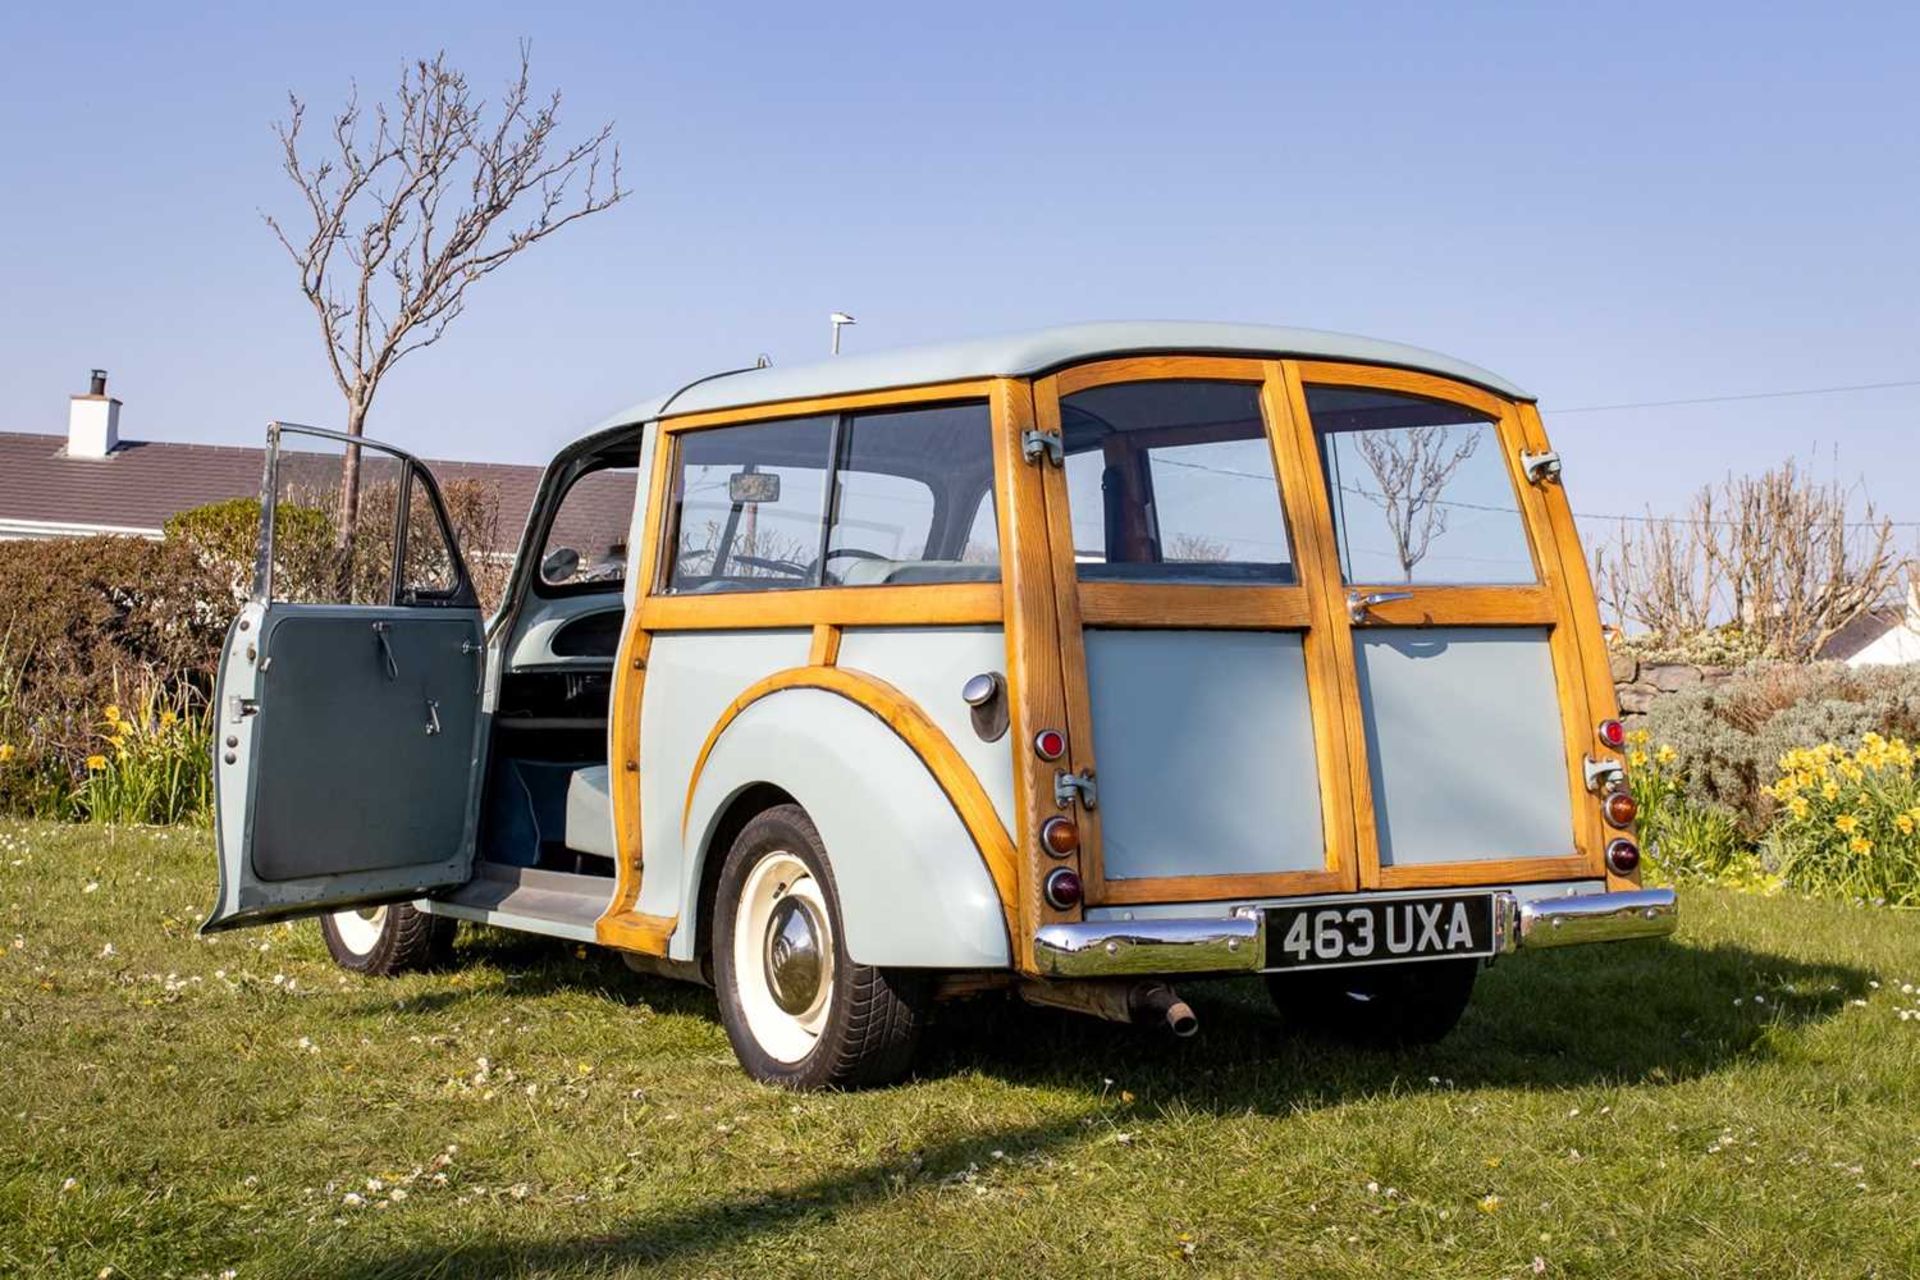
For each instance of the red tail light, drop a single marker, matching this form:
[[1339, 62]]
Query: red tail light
[[1063, 889], [1623, 856], [1620, 809], [1050, 744], [1060, 836], [1613, 733]]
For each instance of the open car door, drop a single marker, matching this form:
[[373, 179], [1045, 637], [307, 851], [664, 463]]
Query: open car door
[[348, 728]]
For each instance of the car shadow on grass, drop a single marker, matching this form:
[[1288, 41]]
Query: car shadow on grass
[[1652, 1013], [1631, 1013]]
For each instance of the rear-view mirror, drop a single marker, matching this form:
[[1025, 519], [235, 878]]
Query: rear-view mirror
[[753, 486]]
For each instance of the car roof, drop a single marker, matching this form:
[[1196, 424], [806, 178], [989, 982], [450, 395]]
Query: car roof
[[1041, 351]]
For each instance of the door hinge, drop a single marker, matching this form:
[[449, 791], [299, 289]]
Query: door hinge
[[238, 708], [1068, 787], [1540, 467], [1603, 774], [1034, 444]]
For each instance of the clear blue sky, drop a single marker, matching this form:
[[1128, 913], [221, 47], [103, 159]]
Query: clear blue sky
[[1604, 203]]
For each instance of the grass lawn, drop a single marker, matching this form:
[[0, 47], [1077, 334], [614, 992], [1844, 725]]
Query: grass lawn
[[1743, 1101]]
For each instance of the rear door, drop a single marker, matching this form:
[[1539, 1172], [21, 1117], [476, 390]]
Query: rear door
[[1459, 651], [1199, 655], [348, 724]]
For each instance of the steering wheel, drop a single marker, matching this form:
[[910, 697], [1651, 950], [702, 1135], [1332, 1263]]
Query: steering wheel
[[851, 553]]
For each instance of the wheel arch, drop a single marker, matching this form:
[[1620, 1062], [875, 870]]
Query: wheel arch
[[922, 865]]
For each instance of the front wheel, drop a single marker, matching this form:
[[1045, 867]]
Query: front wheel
[[1381, 1006], [385, 940], [799, 1012]]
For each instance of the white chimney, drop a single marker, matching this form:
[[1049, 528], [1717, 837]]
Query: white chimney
[[93, 421]]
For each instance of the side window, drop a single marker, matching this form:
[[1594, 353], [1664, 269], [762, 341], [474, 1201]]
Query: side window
[[586, 548], [906, 491], [911, 502], [747, 506], [1173, 481], [1419, 490]]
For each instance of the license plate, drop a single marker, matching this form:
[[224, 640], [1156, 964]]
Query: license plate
[[1379, 931]]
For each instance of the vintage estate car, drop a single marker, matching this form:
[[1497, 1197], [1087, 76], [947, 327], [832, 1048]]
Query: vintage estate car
[[1070, 663]]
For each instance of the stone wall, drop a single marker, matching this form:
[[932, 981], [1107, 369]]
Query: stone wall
[[1639, 683]]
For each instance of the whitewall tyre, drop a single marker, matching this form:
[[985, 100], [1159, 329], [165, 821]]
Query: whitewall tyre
[[389, 939], [798, 1011]]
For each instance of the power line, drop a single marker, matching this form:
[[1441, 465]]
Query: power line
[[1751, 395]]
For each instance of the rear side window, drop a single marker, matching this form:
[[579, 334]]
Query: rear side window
[[1173, 481], [1419, 489], [886, 498]]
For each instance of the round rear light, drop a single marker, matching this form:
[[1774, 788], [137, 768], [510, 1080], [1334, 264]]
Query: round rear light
[[1623, 856], [1063, 889], [1050, 744], [1613, 733], [1620, 808], [1060, 836]]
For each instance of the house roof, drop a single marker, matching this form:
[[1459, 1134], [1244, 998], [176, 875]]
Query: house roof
[[1849, 640], [141, 483], [1042, 350]]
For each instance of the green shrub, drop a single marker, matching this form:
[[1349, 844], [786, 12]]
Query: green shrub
[[1684, 839], [85, 623], [1729, 738]]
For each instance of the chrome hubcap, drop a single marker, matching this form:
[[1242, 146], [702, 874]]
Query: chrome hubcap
[[792, 956]]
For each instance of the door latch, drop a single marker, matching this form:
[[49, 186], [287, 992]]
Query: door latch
[[1035, 444], [1358, 604], [1068, 787], [238, 708], [433, 717]]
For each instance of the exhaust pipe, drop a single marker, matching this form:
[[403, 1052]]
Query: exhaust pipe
[[1152, 1002], [1140, 1003]]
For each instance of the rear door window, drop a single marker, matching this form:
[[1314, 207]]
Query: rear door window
[[1173, 481], [1420, 490]]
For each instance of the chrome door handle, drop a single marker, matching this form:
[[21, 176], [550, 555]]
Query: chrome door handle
[[433, 717], [1358, 604], [380, 630]]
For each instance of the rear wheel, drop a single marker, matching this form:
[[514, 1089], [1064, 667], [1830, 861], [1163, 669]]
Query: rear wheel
[[386, 940], [1383, 1006], [799, 1012]]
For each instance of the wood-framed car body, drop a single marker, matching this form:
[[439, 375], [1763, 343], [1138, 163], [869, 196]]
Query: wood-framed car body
[[724, 704]]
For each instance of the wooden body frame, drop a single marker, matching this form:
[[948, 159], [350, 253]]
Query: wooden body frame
[[1044, 610]]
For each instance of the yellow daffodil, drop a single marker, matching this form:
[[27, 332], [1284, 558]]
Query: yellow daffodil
[[167, 718], [111, 712], [6, 752], [1637, 758], [1831, 791], [1846, 824], [96, 763], [1904, 821], [1797, 806], [1860, 844], [1666, 754]]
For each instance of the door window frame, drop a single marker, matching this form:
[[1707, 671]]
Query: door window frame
[[461, 595]]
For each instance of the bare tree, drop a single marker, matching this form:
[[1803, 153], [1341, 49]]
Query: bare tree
[[1781, 559], [412, 206], [1412, 466]]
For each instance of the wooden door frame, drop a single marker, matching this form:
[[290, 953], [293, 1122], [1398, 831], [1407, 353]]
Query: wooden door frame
[[1549, 602], [1303, 607]]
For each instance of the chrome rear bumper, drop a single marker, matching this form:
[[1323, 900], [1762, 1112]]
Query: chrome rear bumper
[[1238, 943]]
